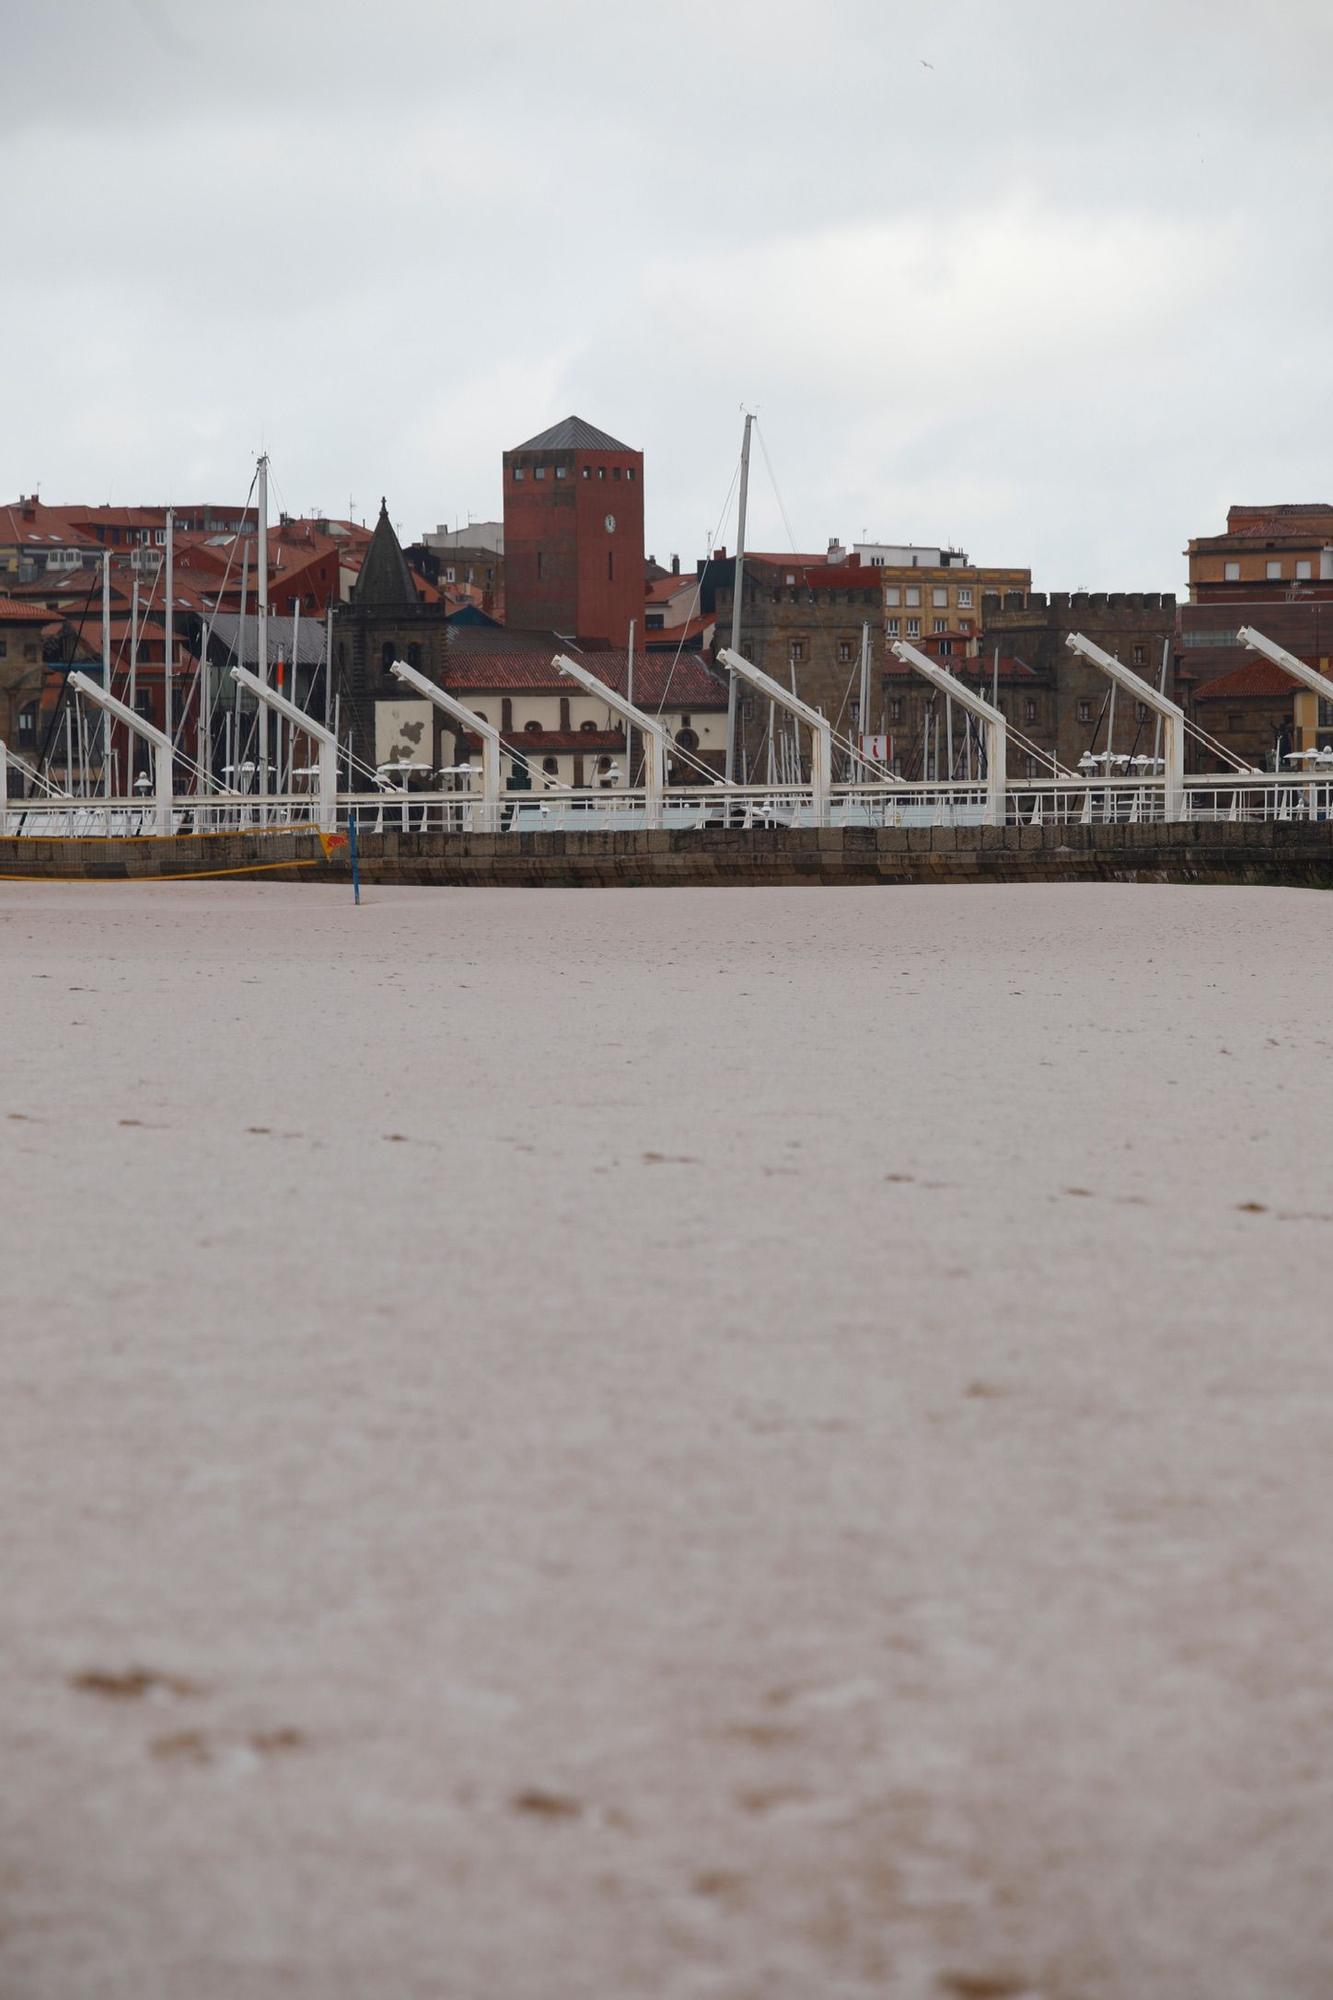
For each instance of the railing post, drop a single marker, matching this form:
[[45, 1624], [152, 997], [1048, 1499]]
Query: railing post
[[655, 745], [1173, 720], [4, 789], [821, 734], [318, 734], [490, 737], [991, 719]]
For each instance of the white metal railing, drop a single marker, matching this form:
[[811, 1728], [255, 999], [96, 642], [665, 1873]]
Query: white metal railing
[[1250, 797]]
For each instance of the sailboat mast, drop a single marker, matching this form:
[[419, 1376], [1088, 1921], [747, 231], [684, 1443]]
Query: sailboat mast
[[168, 669], [262, 663], [738, 579], [106, 680], [863, 709]]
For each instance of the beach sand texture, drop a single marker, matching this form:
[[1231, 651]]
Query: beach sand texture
[[714, 1444]]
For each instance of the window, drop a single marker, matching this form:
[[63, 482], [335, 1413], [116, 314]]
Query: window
[[629, 473], [532, 728], [844, 651], [1231, 572], [913, 594], [965, 599], [506, 711], [388, 654], [449, 576], [945, 649], [895, 710], [1303, 570], [28, 723], [965, 624], [519, 472], [615, 472], [539, 472], [562, 472], [1085, 711], [893, 627], [589, 728], [414, 656], [1031, 767], [586, 471], [551, 766], [938, 596], [1029, 714], [914, 628], [1273, 571], [892, 594], [686, 739], [940, 624], [601, 472], [798, 649], [1140, 656], [160, 537]]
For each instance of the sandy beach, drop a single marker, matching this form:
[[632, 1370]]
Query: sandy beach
[[714, 1445]]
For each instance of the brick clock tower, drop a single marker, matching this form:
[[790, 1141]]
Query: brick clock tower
[[574, 534]]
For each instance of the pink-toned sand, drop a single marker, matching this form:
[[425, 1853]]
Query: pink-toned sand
[[747, 1444]]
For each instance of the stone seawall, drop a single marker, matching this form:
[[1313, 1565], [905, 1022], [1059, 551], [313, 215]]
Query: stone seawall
[[1278, 852]]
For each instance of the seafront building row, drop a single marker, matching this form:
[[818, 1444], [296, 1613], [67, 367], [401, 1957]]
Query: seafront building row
[[482, 610]]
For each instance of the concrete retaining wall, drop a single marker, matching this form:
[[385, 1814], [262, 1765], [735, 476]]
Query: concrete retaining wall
[[1278, 852]]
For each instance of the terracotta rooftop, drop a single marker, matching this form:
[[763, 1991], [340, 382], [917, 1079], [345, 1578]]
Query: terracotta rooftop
[[497, 665], [1253, 677]]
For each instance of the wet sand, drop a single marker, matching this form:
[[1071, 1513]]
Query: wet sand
[[747, 1445]]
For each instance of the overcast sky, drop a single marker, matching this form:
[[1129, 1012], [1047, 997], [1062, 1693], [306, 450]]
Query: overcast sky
[[1047, 280]]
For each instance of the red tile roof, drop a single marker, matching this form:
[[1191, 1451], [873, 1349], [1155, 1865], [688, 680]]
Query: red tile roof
[[1253, 678], [500, 666], [21, 614]]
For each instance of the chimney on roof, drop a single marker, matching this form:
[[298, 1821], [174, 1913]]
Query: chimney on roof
[[720, 555], [30, 508], [675, 565]]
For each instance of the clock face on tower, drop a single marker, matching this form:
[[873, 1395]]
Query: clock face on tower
[[610, 524]]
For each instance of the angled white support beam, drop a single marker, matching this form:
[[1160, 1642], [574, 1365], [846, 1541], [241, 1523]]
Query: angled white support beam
[[657, 743], [1173, 717], [992, 721], [477, 725], [821, 733], [4, 788], [324, 740], [162, 751], [1308, 677]]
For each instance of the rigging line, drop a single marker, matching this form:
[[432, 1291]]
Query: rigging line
[[44, 756], [723, 517], [776, 490]]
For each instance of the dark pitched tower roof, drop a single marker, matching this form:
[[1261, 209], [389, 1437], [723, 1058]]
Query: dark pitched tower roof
[[573, 435], [385, 577]]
